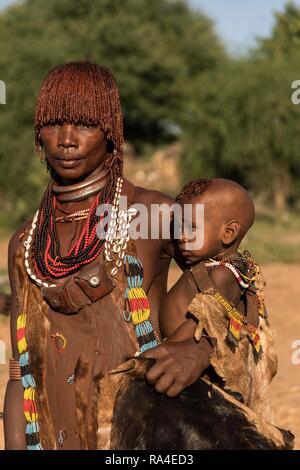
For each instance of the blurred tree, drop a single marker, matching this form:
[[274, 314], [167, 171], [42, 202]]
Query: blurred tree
[[236, 117], [285, 38], [241, 122], [155, 49], [270, 113]]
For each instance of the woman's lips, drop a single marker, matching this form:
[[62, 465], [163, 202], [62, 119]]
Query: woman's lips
[[69, 163]]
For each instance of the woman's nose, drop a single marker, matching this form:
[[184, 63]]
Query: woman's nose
[[67, 136]]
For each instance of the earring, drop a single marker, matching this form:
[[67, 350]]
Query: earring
[[40, 153]]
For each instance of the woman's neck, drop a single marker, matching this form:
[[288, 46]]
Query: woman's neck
[[82, 190]]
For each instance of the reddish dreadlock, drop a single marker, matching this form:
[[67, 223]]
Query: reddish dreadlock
[[82, 93], [194, 189]]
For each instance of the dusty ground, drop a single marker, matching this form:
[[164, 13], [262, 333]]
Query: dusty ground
[[283, 303]]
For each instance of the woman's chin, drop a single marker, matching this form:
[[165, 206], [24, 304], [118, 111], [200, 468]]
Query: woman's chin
[[71, 175]]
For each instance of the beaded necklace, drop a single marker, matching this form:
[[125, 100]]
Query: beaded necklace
[[137, 307], [48, 262], [78, 215], [244, 269]]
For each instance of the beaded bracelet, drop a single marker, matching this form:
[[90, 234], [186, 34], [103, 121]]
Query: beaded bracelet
[[14, 370]]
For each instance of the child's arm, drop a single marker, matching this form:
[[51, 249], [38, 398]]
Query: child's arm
[[14, 420], [174, 305], [178, 363], [226, 283], [173, 309], [175, 325], [185, 331]]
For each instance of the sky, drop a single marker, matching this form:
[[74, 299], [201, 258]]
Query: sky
[[238, 22]]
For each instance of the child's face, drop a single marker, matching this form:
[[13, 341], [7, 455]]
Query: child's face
[[202, 225]]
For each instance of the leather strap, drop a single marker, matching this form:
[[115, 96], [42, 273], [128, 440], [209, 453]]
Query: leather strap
[[201, 277]]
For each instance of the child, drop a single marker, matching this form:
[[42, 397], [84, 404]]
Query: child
[[219, 300]]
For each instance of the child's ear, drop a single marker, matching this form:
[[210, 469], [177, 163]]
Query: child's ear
[[230, 232]]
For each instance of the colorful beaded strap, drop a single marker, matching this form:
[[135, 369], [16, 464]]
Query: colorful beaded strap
[[137, 307], [262, 311], [244, 281], [237, 321], [28, 382]]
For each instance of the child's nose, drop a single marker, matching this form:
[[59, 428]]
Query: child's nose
[[183, 238]]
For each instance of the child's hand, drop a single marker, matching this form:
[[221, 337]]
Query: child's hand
[[178, 365]]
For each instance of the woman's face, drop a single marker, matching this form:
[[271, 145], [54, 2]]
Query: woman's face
[[74, 151]]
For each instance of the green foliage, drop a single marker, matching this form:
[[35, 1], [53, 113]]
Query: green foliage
[[241, 123], [285, 38], [235, 115], [155, 49]]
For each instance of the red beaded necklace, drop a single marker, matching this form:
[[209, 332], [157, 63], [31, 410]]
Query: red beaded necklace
[[48, 262]]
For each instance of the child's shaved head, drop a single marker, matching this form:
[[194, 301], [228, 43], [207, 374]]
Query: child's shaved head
[[228, 199], [228, 214]]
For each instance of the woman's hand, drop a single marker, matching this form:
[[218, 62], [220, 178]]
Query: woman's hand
[[178, 364]]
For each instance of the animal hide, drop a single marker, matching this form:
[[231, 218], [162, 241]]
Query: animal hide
[[132, 416], [237, 367]]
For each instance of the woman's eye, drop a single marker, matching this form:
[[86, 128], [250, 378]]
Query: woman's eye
[[86, 127], [51, 126]]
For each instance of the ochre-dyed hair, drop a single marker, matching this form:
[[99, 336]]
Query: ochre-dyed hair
[[194, 189], [86, 94]]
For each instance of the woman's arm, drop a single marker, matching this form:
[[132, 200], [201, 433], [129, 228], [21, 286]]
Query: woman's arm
[[14, 420]]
